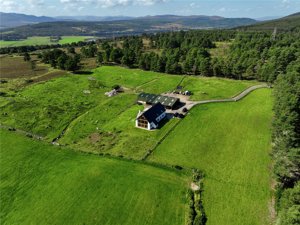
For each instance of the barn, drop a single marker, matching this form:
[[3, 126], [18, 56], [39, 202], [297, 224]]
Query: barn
[[152, 99], [151, 118]]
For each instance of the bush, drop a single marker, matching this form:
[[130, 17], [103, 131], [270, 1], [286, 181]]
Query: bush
[[116, 87], [178, 167]]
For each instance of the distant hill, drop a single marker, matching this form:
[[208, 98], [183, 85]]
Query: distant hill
[[10, 20], [15, 19], [93, 18], [287, 23], [133, 26]]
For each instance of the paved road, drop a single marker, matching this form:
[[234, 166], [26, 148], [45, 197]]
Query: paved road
[[190, 104]]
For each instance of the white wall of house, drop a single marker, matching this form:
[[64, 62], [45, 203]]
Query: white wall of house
[[152, 125]]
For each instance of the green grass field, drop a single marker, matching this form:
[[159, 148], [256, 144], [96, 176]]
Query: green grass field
[[231, 143], [43, 184], [214, 88], [47, 108], [203, 88], [110, 128], [42, 41]]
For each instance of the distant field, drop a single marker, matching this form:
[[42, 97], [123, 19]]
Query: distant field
[[231, 142], [17, 73], [42, 41], [42, 184], [16, 67]]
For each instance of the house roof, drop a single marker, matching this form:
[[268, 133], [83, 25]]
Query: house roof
[[154, 112], [153, 99]]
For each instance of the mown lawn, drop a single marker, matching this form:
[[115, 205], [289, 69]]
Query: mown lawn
[[43, 184], [231, 143]]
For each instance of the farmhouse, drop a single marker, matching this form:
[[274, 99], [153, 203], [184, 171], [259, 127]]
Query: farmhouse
[[151, 118], [151, 99]]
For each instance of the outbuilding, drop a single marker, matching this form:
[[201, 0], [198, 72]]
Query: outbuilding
[[152, 99], [151, 118]]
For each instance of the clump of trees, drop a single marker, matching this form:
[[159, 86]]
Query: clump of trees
[[286, 144], [59, 59]]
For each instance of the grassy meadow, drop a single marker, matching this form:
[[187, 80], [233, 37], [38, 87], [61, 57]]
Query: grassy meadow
[[47, 108], [17, 74], [214, 88], [15, 67], [43, 184], [41, 41], [231, 143]]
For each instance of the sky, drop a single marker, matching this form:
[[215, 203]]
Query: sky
[[231, 8]]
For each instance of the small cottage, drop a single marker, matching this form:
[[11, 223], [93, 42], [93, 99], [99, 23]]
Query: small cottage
[[151, 118]]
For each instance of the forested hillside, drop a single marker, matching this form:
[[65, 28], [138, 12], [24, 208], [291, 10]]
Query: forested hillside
[[287, 23], [137, 26]]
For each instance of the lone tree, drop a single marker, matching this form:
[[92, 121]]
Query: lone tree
[[33, 65], [26, 57]]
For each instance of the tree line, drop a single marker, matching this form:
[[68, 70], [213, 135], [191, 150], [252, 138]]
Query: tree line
[[251, 55], [286, 144]]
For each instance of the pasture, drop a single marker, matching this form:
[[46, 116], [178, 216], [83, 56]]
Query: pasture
[[203, 88], [43, 184], [42, 41], [207, 88], [15, 73], [93, 122], [47, 108], [15, 67], [231, 143]]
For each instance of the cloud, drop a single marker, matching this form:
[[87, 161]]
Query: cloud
[[111, 3], [223, 9], [35, 3], [286, 3], [8, 5]]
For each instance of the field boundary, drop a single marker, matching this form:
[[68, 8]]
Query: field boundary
[[144, 158], [26, 133]]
